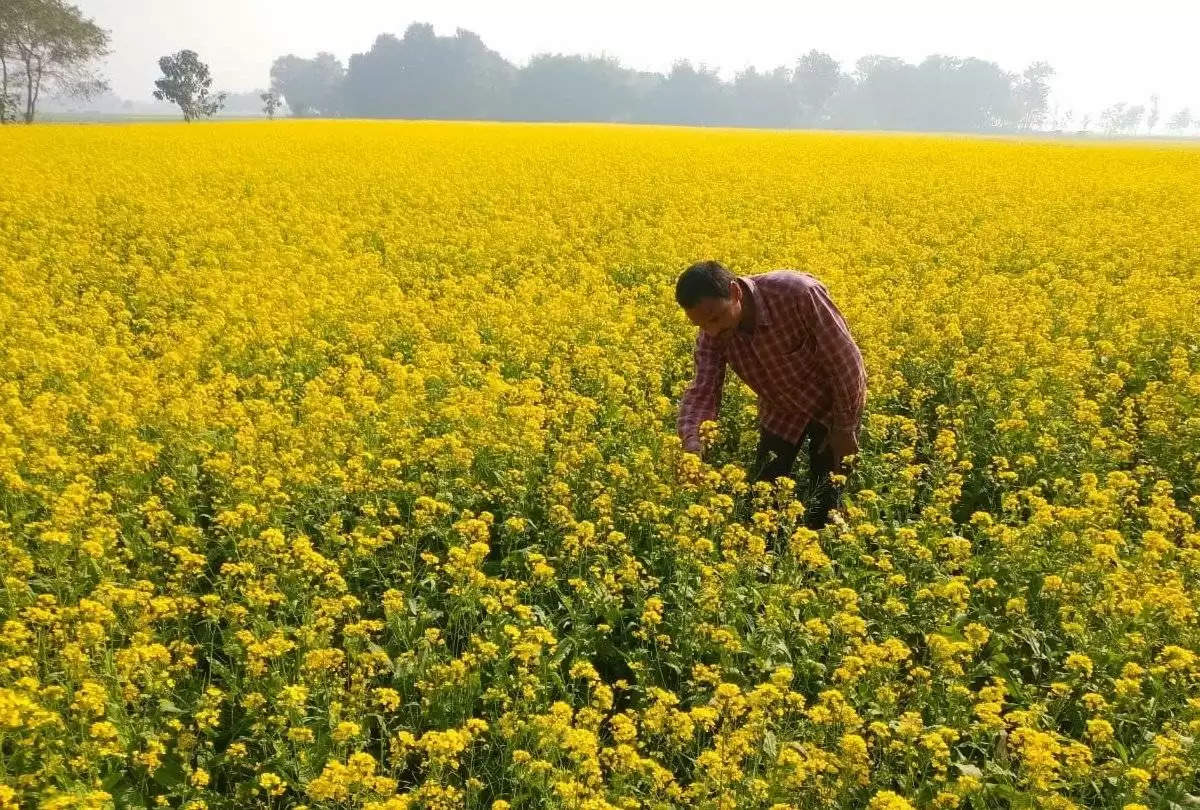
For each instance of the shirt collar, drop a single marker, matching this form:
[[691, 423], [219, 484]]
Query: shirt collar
[[762, 313]]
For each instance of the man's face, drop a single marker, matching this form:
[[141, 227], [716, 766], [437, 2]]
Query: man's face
[[718, 317]]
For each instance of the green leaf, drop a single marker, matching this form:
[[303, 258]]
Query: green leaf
[[770, 744], [170, 773]]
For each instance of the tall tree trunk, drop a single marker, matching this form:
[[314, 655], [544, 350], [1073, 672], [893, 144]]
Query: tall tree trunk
[[29, 88], [3, 86], [36, 90]]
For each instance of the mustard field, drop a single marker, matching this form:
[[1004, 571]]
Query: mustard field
[[338, 470]]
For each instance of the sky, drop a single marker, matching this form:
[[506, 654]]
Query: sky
[[1102, 52]]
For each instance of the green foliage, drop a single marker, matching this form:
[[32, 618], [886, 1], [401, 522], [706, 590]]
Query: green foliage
[[186, 82]]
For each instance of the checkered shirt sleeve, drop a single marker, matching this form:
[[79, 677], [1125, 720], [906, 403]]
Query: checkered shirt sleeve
[[703, 397]]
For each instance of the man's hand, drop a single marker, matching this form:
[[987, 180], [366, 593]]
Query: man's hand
[[843, 443]]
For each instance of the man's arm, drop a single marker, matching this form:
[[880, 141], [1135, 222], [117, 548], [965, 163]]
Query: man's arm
[[703, 397], [839, 356]]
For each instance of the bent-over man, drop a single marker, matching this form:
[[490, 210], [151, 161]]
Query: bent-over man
[[781, 333]]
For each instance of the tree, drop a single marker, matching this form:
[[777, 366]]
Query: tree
[[1129, 121], [1032, 94], [185, 82], [884, 87], [1121, 117], [943, 93], [1180, 120], [955, 95], [46, 46], [816, 80], [423, 75], [311, 87], [271, 103], [688, 96], [764, 99], [1111, 117], [1152, 116], [481, 78], [554, 87]]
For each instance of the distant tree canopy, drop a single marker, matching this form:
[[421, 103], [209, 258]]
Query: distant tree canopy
[[553, 87], [311, 87], [763, 99], [1121, 118], [688, 95], [422, 75], [427, 76], [1032, 93], [1180, 120], [816, 79]]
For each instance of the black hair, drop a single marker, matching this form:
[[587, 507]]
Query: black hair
[[708, 279]]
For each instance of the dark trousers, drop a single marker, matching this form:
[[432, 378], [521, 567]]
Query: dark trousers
[[776, 456]]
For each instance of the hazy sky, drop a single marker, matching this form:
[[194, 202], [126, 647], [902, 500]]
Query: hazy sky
[[1103, 52]]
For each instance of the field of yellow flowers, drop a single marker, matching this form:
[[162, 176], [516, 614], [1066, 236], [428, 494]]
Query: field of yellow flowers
[[338, 470]]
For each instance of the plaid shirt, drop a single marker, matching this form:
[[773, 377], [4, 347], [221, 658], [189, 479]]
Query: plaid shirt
[[800, 359]]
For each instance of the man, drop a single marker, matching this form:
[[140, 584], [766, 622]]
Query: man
[[783, 335]]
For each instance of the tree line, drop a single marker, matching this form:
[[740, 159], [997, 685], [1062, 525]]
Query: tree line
[[423, 75], [48, 46]]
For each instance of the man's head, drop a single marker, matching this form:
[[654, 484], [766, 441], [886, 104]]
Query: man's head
[[710, 298]]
